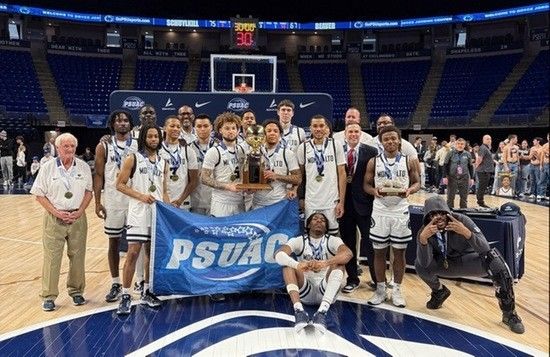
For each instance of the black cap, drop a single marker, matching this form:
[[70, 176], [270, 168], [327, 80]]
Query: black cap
[[509, 209]]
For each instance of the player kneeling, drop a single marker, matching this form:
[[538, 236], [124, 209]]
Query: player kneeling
[[315, 277]]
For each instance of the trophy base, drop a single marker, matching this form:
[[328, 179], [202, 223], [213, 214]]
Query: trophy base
[[391, 191], [254, 186]]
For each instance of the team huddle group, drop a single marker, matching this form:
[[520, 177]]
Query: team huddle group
[[345, 181]]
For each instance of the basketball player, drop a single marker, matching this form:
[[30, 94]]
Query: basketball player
[[358, 204], [281, 168], [201, 196], [221, 168], [109, 157], [64, 188], [451, 245], [353, 116], [147, 116], [292, 135], [322, 165], [183, 170], [315, 277], [186, 117], [148, 173], [406, 147], [390, 226], [248, 119]]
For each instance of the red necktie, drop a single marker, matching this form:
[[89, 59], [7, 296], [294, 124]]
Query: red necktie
[[351, 162]]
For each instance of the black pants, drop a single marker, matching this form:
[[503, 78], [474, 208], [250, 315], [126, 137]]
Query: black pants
[[482, 185], [349, 223]]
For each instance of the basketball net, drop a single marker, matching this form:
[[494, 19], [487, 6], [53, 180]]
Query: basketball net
[[243, 88]]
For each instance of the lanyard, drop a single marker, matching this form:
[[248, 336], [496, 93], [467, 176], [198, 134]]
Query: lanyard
[[116, 149], [232, 165], [319, 157], [269, 157], [290, 131], [152, 168], [390, 173], [66, 175], [175, 158]]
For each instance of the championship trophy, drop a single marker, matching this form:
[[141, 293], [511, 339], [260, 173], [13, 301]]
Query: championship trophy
[[253, 168], [393, 188]]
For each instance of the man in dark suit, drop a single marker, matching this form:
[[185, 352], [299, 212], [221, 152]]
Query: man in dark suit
[[358, 205]]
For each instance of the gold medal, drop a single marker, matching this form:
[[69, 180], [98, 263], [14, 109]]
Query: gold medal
[[233, 177], [68, 195], [152, 188], [349, 178], [319, 178], [445, 264], [174, 178]]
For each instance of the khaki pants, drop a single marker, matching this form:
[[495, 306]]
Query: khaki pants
[[55, 233]]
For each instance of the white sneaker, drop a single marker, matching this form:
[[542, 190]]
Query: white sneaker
[[532, 197], [379, 297], [539, 198], [397, 297]]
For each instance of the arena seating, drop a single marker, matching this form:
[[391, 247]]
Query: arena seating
[[394, 88], [283, 84], [160, 75], [85, 83], [19, 87], [530, 95], [203, 84], [331, 78], [466, 84]]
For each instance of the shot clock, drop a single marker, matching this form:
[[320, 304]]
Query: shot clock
[[244, 34]]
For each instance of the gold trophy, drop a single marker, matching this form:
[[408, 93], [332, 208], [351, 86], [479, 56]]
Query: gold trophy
[[253, 168], [393, 188]]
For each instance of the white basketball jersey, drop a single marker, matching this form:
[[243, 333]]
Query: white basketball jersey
[[180, 159], [293, 136], [391, 170], [226, 167], [202, 195], [116, 152], [146, 176]]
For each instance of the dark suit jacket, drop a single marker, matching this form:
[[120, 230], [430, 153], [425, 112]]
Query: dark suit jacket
[[356, 197]]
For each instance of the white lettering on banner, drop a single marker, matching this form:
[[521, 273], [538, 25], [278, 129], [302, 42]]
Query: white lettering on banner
[[204, 254]]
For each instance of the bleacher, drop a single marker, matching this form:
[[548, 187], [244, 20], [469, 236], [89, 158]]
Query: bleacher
[[85, 83], [203, 84], [331, 78], [283, 83], [466, 84], [19, 87], [160, 75], [394, 88], [530, 95]]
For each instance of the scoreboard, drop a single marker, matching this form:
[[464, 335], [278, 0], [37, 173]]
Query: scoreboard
[[244, 34]]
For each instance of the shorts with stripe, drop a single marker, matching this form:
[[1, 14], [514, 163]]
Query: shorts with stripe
[[332, 228], [386, 230], [115, 222], [138, 234], [312, 292]]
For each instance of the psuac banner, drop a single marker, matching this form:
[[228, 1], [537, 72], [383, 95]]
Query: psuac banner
[[194, 254]]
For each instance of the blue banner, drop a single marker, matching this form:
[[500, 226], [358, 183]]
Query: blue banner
[[194, 254]]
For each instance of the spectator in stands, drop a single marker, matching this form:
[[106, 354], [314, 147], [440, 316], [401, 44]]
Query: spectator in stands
[[510, 159], [20, 162], [484, 166], [64, 188], [499, 163], [458, 174], [440, 156], [353, 116], [147, 116], [88, 155], [451, 245], [452, 141], [524, 161], [50, 145], [292, 135], [187, 118], [534, 168], [6, 157], [544, 158]]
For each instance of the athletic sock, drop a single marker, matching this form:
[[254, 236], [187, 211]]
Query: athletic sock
[[333, 286], [116, 280], [126, 290]]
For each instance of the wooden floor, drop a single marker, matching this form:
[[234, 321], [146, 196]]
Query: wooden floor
[[470, 304]]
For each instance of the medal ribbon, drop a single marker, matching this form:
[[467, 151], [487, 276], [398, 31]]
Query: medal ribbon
[[116, 149], [390, 172], [175, 158], [201, 151], [66, 174], [317, 252], [319, 157], [232, 166], [152, 168]]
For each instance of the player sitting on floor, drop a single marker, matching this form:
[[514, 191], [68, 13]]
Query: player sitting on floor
[[315, 277]]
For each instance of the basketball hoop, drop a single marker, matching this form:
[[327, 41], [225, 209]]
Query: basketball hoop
[[243, 88]]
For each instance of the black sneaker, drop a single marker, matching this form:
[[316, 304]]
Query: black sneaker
[[514, 322], [372, 285], [138, 287], [438, 298], [48, 305], [125, 305], [483, 205], [217, 297], [114, 293], [301, 319], [350, 288], [319, 321], [78, 300], [150, 299]]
